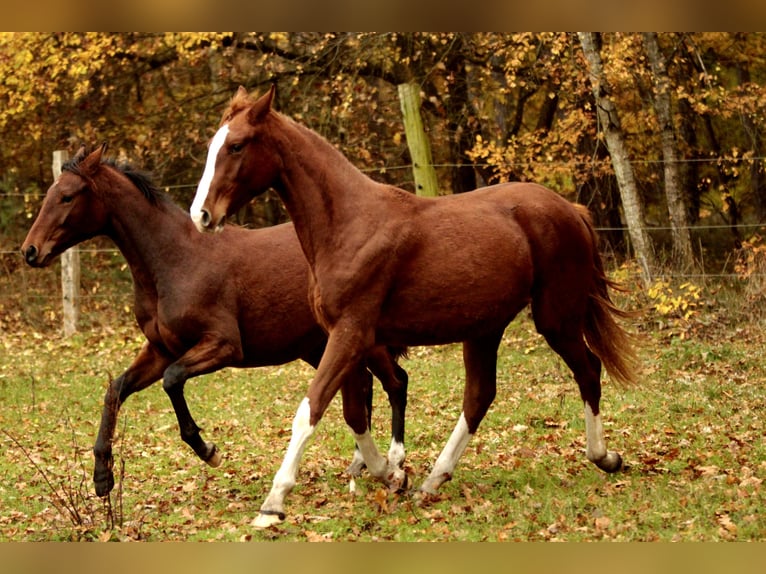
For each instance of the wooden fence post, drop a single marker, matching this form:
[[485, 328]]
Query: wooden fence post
[[70, 266], [426, 183]]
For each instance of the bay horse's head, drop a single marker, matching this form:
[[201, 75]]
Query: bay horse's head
[[67, 215], [240, 163]]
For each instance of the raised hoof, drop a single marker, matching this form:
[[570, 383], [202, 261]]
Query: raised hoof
[[267, 518], [215, 458], [104, 484]]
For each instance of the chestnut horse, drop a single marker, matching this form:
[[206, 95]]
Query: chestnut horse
[[202, 302], [389, 267]]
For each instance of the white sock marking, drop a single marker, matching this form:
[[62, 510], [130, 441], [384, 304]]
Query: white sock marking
[[453, 450], [284, 480], [376, 462], [396, 454], [594, 433]]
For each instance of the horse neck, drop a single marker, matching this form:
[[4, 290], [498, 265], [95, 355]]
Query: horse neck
[[147, 235], [323, 192]]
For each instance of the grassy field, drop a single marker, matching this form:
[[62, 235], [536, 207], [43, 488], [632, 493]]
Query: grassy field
[[692, 435]]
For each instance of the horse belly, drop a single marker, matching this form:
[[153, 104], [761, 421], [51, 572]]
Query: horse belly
[[468, 293]]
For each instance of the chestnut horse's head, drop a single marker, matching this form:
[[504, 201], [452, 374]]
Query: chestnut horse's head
[[240, 163], [67, 215]]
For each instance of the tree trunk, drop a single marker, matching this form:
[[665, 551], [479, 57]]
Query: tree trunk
[[677, 212], [609, 125], [426, 183]]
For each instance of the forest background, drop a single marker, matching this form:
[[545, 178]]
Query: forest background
[[660, 135], [682, 114]]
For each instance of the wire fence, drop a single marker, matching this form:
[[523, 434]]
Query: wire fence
[[742, 226], [720, 160]]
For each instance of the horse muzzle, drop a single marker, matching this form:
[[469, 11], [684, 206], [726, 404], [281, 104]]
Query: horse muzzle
[[32, 256], [204, 222]]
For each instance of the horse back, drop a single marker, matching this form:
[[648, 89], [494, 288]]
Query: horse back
[[498, 244], [248, 286]]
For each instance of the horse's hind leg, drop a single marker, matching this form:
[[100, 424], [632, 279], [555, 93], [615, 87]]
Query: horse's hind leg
[[564, 337], [146, 369], [480, 358]]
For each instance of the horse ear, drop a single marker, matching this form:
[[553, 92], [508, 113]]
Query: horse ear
[[80, 155], [262, 105], [96, 155], [93, 159], [241, 92]]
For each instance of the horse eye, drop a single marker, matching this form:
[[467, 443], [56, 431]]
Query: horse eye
[[67, 198], [236, 147]]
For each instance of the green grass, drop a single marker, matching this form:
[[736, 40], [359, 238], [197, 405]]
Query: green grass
[[691, 434]]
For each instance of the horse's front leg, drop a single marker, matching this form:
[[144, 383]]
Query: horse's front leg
[[146, 369], [342, 365], [354, 469], [210, 354]]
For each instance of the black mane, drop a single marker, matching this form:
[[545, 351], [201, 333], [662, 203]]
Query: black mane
[[140, 178]]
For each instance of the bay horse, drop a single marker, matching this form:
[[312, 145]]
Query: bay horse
[[202, 302], [389, 267]]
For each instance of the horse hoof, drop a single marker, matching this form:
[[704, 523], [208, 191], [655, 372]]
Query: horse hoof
[[398, 481], [104, 485], [432, 484], [423, 498], [266, 519], [615, 464], [355, 469], [612, 462], [215, 458]]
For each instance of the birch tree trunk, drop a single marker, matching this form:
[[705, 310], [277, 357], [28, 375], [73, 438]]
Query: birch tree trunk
[[609, 125], [677, 212]]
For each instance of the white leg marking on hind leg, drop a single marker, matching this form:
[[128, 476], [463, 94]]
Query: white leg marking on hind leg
[[594, 433], [284, 480], [453, 450]]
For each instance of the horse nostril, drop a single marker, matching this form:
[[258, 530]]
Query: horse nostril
[[30, 255], [206, 219]]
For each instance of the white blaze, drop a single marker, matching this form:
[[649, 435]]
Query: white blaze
[[203, 188]]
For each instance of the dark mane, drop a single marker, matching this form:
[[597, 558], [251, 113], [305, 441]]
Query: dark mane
[[140, 178]]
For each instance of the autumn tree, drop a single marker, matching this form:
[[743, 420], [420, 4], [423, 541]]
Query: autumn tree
[[677, 208], [496, 107], [610, 126]]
